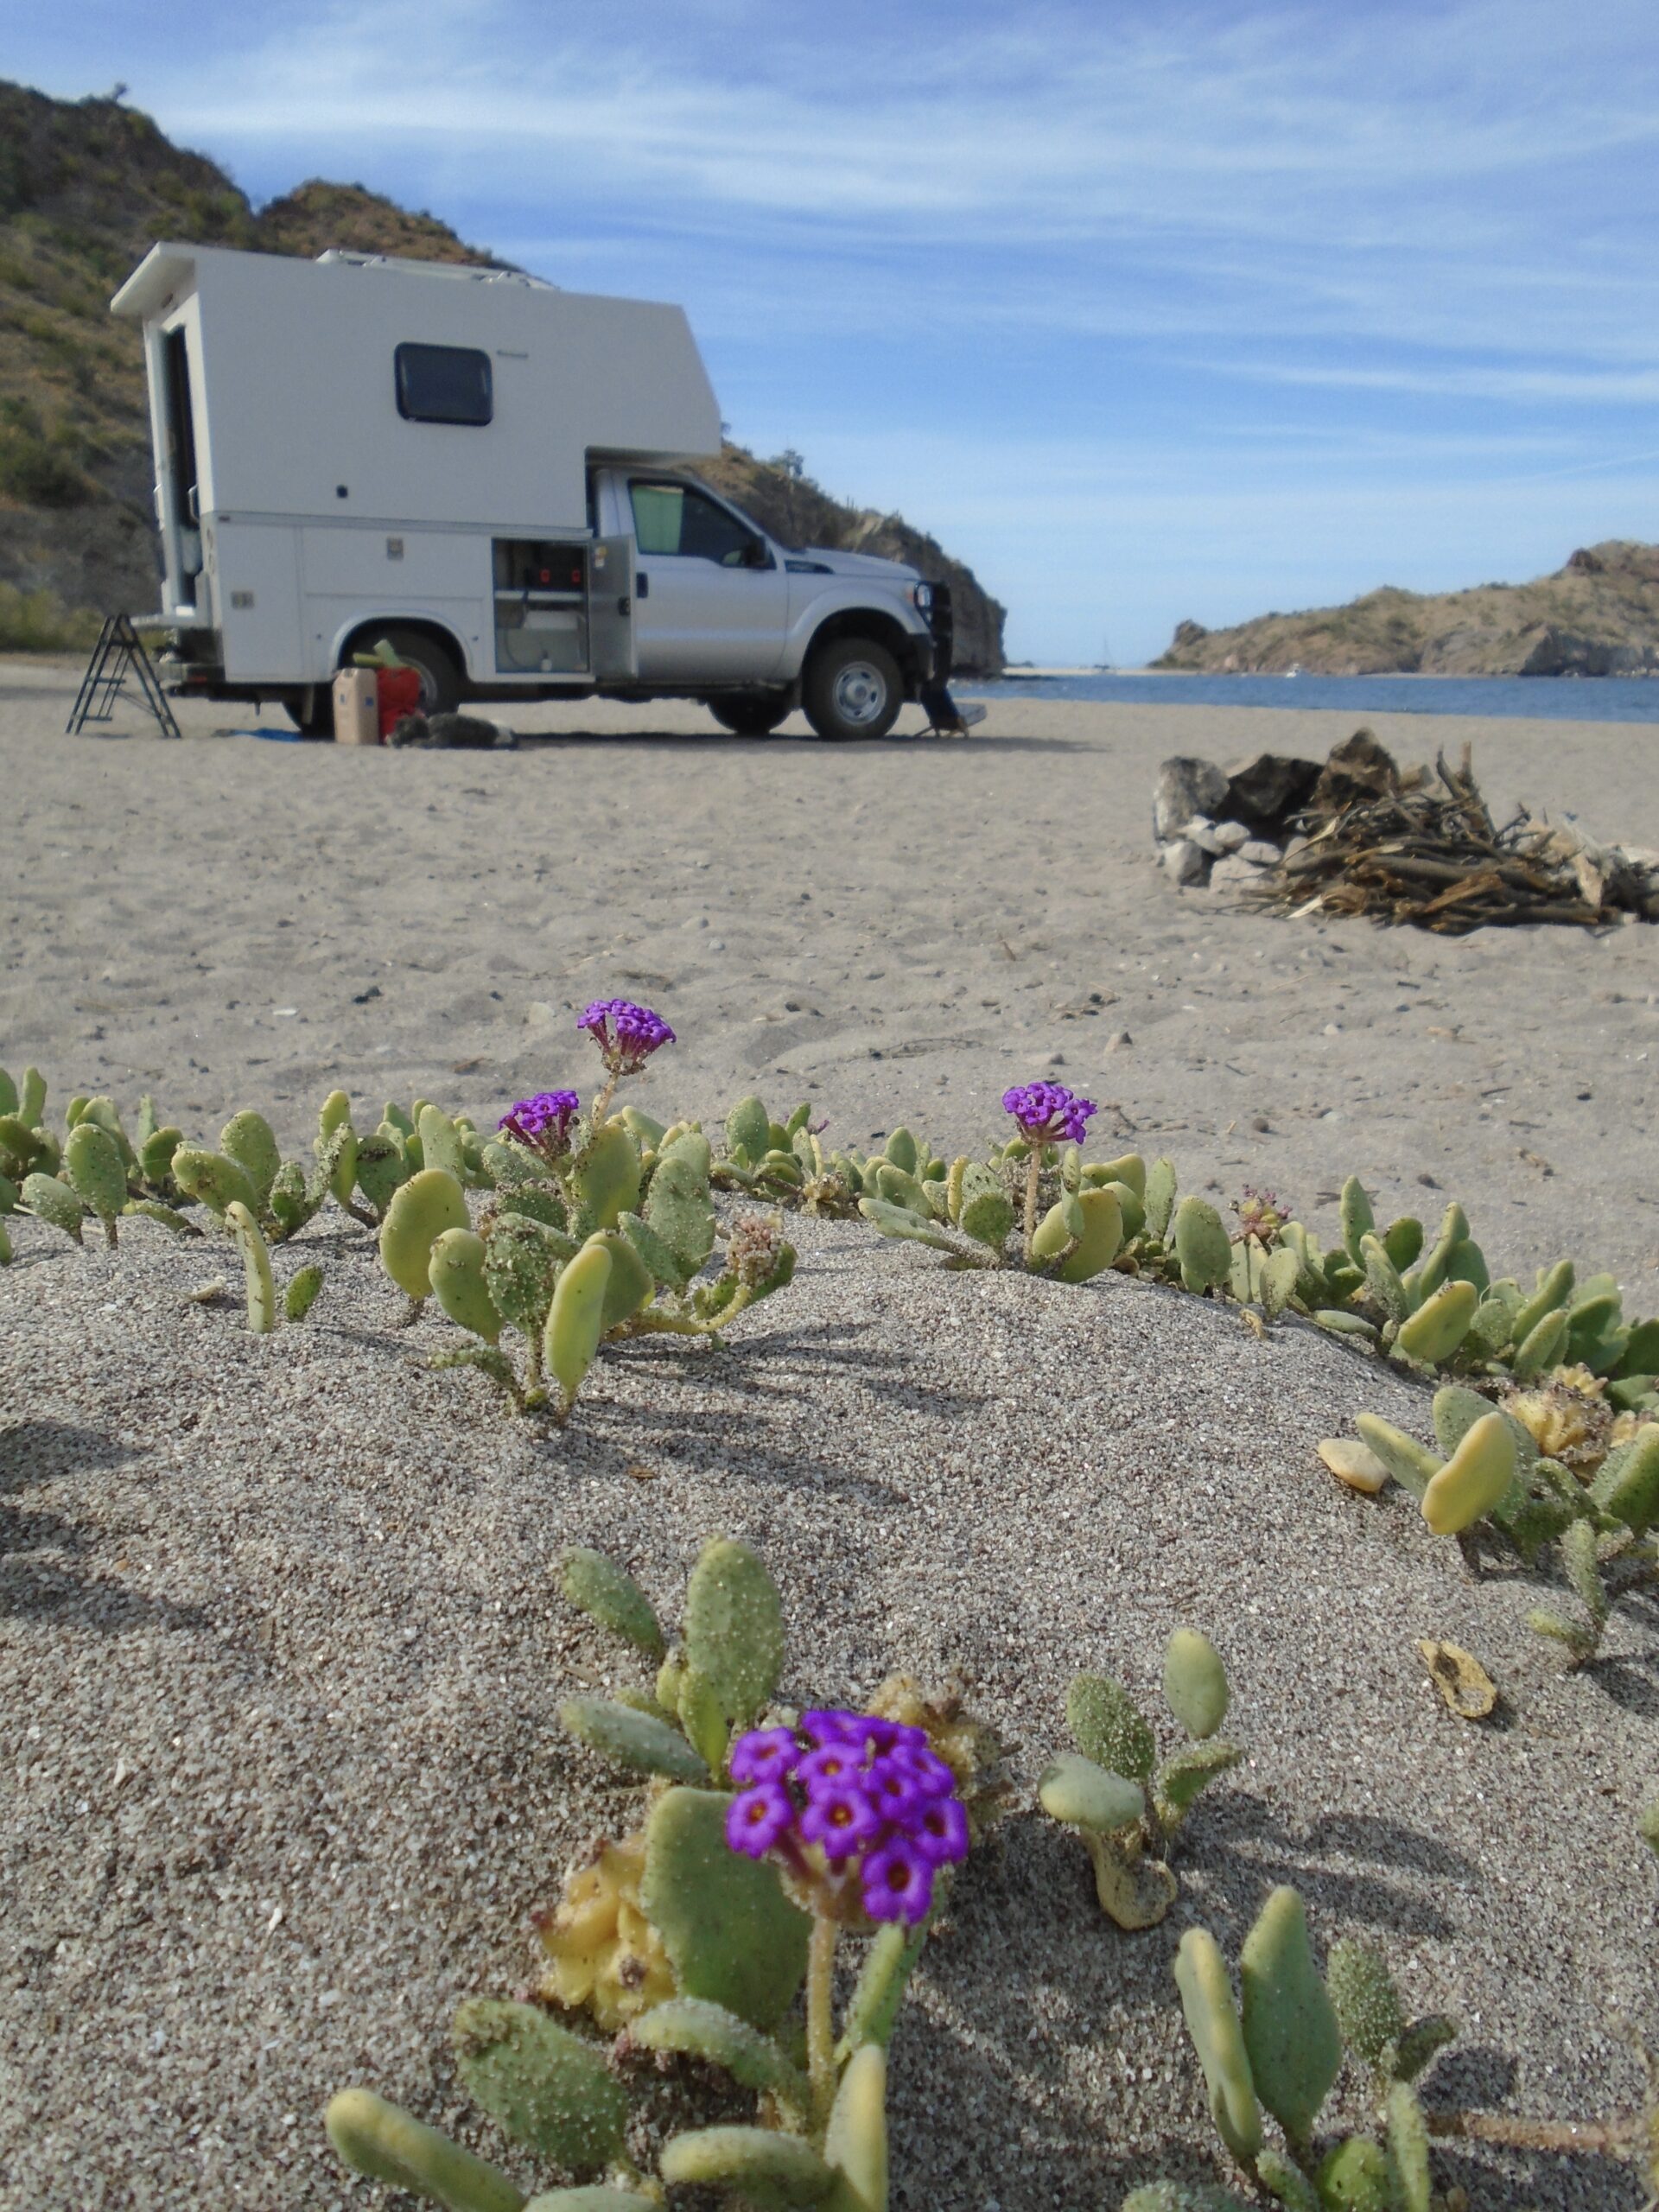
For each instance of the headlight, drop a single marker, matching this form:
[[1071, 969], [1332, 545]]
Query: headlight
[[922, 596]]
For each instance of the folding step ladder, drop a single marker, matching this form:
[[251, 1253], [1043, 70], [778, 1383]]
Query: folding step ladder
[[120, 654]]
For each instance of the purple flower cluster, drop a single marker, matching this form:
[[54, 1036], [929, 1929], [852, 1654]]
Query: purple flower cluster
[[626, 1034], [1048, 1111], [541, 1124], [869, 1794]]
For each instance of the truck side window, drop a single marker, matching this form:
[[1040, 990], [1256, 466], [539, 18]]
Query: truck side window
[[444, 384], [674, 519]]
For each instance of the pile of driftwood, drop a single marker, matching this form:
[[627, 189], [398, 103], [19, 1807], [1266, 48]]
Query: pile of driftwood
[[1420, 845]]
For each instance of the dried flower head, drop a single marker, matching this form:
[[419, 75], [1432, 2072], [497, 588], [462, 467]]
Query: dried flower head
[[1261, 1214], [541, 1124], [604, 1954], [755, 1248], [1047, 1112], [858, 1812], [626, 1034], [1566, 1421]]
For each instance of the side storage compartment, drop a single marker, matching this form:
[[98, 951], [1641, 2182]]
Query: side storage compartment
[[541, 605]]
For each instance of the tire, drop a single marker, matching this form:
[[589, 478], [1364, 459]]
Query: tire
[[852, 689], [751, 715], [439, 677]]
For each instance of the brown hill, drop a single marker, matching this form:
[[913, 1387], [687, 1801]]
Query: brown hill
[[86, 188], [1597, 616]]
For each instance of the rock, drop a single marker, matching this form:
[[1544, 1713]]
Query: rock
[[1264, 789], [1359, 768], [538, 1015], [1202, 831], [1185, 786], [1232, 873], [1259, 853], [1230, 835], [1183, 861]]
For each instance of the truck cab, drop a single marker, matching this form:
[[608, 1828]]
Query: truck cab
[[496, 478], [724, 613]]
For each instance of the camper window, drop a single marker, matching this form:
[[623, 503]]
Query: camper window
[[444, 384]]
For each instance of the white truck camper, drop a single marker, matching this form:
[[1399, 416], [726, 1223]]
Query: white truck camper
[[489, 472]]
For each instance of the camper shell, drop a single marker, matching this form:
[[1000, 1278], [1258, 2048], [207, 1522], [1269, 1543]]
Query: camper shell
[[490, 471]]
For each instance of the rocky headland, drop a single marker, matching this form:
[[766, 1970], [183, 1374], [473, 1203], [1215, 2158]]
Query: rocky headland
[[1597, 616]]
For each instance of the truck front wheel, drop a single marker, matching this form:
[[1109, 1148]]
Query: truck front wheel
[[852, 689]]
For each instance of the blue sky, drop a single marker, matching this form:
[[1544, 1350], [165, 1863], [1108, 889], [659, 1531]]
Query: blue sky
[[1146, 310]]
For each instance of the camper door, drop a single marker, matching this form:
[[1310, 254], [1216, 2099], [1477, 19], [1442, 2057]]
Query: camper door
[[611, 647]]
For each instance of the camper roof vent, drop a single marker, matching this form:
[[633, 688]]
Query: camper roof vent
[[339, 256]]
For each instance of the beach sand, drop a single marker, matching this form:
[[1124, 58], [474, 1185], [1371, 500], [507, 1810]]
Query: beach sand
[[279, 1639]]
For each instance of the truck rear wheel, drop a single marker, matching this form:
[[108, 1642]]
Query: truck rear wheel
[[754, 714], [439, 677], [852, 689]]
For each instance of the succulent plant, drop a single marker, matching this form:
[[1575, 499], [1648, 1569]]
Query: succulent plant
[[695, 1934], [1128, 1808], [1489, 1473], [1277, 2050]]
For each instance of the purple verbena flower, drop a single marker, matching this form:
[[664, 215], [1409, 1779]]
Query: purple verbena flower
[[765, 1755], [898, 1796], [897, 1882], [839, 1818], [858, 1810], [834, 1761], [932, 1777], [626, 1034], [757, 1818], [1047, 1112], [940, 1832], [830, 1725], [541, 1124]]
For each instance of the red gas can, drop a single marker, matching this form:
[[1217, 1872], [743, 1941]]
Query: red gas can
[[397, 693]]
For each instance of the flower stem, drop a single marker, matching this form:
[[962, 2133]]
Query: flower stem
[[820, 2021], [1033, 1171]]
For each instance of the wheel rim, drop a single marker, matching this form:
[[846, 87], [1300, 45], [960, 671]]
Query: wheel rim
[[860, 693]]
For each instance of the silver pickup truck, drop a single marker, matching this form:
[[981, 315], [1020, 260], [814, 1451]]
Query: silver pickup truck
[[724, 614]]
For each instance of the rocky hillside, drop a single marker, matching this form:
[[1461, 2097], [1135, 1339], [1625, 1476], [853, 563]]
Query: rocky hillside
[[86, 188], [1597, 616]]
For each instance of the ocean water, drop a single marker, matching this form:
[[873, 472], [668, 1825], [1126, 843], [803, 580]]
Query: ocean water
[[1526, 698]]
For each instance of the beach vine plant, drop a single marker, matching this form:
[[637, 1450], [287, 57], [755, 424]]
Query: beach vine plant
[[1275, 2050], [1427, 1302], [595, 1228], [1128, 1808], [600, 1230], [1539, 1469], [710, 1933]]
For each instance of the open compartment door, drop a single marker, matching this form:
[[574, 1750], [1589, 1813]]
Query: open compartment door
[[611, 650]]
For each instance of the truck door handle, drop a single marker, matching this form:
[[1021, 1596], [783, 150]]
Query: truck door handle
[[642, 585]]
